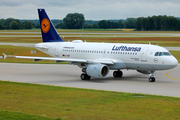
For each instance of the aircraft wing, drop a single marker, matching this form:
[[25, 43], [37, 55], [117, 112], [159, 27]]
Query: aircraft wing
[[103, 61], [71, 60], [50, 58]]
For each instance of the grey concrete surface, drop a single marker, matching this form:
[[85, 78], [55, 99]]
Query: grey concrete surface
[[167, 82], [173, 48]]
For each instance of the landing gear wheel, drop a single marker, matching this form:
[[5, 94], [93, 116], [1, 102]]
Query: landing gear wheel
[[120, 73], [117, 73], [85, 76], [152, 79], [88, 77]]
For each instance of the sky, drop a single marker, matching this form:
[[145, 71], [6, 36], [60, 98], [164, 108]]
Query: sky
[[92, 9]]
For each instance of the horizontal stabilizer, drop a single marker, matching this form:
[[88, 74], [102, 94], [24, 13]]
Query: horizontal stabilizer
[[5, 56], [42, 47]]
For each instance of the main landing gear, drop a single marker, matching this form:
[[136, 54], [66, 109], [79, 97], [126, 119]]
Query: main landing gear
[[84, 76], [152, 78], [117, 73]]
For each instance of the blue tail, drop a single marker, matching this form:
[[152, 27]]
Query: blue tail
[[49, 33]]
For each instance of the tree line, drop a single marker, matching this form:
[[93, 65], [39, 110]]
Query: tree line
[[160, 23], [11, 23], [77, 21]]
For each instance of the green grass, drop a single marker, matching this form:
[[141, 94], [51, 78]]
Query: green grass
[[6, 115], [72, 103], [176, 54]]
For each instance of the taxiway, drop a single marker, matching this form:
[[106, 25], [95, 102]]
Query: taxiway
[[167, 82]]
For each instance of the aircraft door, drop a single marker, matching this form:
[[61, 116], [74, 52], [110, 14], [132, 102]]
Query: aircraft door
[[57, 50], [144, 55]]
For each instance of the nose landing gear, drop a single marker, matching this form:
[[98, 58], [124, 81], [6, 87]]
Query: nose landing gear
[[152, 78]]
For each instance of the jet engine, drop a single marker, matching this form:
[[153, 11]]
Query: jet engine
[[97, 70]]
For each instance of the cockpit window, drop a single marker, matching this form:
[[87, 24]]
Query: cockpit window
[[157, 54], [167, 53], [162, 54]]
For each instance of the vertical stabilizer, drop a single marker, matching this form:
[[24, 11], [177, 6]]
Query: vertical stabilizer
[[49, 33]]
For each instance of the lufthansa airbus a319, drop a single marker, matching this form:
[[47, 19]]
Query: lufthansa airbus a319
[[97, 59]]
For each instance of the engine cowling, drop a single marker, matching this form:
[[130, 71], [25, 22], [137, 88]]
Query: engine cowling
[[97, 70]]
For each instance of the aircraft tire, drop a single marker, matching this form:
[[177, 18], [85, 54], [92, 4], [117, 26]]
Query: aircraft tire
[[120, 73], [88, 77], [83, 76], [115, 73], [152, 79]]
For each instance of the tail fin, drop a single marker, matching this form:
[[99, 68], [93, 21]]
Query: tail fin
[[49, 33]]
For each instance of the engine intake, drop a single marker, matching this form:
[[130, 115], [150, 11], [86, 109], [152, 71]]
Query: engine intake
[[97, 70]]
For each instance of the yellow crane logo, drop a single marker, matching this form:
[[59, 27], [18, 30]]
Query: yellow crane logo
[[45, 25]]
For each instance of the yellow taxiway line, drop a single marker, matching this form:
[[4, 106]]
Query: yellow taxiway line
[[171, 77]]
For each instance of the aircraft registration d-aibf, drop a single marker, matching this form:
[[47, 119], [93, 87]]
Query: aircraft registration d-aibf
[[97, 59]]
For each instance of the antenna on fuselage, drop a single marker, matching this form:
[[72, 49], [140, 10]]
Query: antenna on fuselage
[[149, 43]]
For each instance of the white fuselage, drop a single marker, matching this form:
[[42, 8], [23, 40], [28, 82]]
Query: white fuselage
[[124, 56]]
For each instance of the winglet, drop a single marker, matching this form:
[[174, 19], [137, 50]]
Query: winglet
[[5, 56]]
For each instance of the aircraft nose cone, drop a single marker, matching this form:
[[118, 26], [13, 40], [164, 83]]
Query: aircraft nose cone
[[174, 62]]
